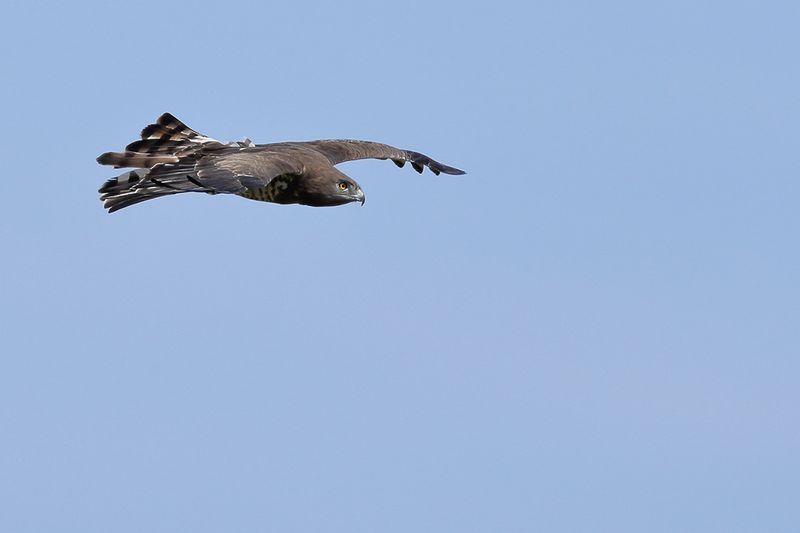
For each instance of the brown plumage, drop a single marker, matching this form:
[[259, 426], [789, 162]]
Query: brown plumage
[[172, 158]]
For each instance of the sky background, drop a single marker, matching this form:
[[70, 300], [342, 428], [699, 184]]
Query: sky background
[[596, 329]]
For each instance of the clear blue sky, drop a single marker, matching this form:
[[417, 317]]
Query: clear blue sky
[[595, 329]]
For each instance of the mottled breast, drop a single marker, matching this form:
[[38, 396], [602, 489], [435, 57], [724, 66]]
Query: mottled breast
[[279, 190]]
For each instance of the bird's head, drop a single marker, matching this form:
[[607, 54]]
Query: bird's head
[[328, 189]]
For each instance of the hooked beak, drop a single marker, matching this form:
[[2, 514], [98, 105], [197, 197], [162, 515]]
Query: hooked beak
[[360, 197]]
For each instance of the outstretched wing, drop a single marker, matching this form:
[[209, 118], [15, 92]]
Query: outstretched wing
[[341, 150]]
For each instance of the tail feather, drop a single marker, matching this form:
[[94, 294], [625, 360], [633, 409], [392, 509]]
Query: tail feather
[[161, 142], [164, 159], [168, 127], [115, 203], [157, 146], [169, 136], [134, 159], [145, 184], [122, 183]]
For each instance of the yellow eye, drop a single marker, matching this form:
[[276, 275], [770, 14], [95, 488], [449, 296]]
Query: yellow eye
[[343, 185]]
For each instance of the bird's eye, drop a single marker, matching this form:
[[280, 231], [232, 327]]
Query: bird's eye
[[343, 185]]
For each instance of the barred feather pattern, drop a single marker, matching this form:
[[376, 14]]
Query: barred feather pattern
[[164, 159], [145, 184], [168, 127], [165, 141], [168, 140]]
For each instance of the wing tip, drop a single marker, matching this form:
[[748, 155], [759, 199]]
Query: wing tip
[[454, 171], [436, 168]]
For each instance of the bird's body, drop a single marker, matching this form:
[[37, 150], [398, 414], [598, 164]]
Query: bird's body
[[172, 158]]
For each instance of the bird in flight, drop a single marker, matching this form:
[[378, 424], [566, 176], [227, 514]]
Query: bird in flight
[[172, 158]]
